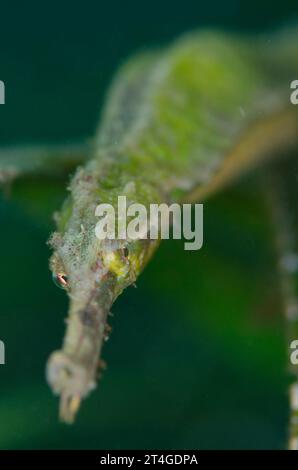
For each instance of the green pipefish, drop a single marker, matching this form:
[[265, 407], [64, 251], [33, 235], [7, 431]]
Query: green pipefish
[[179, 124]]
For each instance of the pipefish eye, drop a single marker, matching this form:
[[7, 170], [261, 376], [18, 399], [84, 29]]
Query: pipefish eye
[[61, 280]]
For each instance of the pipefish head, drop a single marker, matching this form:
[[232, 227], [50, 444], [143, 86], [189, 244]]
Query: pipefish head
[[81, 260], [94, 273], [84, 268], [92, 289]]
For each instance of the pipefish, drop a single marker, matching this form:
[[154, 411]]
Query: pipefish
[[179, 124]]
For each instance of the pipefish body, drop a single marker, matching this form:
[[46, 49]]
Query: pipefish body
[[179, 124]]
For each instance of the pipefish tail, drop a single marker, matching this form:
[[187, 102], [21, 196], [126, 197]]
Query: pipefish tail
[[179, 124]]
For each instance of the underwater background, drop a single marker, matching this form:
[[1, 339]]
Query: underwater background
[[197, 357]]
